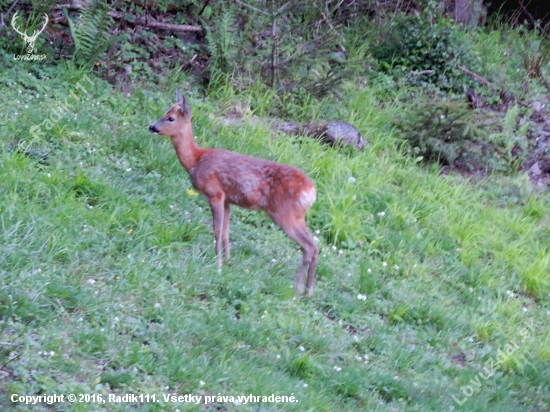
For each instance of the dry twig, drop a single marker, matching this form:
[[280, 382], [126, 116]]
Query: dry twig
[[474, 75]]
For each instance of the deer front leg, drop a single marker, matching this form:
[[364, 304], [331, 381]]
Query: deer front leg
[[217, 206], [225, 235]]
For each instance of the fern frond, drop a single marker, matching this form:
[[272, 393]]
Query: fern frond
[[91, 31], [221, 42], [510, 122]]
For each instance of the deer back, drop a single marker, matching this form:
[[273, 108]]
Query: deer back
[[249, 182]]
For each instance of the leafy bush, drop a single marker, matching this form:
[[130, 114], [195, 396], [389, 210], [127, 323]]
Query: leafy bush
[[449, 132], [439, 130], [418, 44]]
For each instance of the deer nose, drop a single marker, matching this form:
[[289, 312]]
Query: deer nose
[[153, 129]]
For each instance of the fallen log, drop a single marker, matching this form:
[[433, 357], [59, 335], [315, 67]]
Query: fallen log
[[148, 21], [334, 133], [145, 21]]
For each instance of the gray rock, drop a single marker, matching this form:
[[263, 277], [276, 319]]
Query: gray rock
[[338, 133], [338, 57], [535, 169]]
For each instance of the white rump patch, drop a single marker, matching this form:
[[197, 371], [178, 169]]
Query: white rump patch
[[307, 197]]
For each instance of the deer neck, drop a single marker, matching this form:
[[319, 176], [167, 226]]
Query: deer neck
[[188, 152]]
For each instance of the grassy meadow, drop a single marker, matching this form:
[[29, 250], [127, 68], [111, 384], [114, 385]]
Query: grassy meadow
[[432, 291]]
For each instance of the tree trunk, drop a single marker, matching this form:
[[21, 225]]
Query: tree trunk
[[463, 10], [469, 12]]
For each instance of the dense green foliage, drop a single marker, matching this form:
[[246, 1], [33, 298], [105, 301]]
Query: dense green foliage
[[426, 43]]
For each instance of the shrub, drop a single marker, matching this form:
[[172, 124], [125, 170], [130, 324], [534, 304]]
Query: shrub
[[439, 130], [418, 44]]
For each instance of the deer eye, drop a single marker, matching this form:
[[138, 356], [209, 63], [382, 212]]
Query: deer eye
[[170, 119]]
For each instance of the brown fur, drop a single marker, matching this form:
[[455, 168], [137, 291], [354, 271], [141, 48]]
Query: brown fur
[[227, 178]]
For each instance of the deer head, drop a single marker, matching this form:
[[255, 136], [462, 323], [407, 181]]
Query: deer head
[[173, 120], [29, 40]]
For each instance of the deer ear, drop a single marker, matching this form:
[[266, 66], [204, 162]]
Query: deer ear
[[179, 98], [184, 108]]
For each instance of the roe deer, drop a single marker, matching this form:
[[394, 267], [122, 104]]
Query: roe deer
[[227, 178]]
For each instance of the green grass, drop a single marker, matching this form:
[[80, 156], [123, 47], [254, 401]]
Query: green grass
[[109, 284]]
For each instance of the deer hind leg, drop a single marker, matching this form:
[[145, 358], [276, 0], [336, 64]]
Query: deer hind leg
[[297, 230], [312, 264], [217, 206], [225, 234], [312, 251]]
